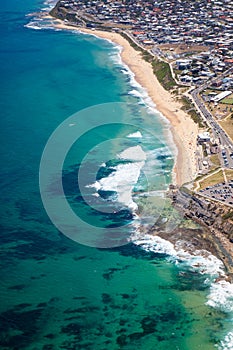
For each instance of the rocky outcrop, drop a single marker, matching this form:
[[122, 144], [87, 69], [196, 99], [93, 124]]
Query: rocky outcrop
[[215, 218], [61, 12], [207, 213]]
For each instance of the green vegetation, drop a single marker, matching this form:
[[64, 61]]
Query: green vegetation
[[228, 215], [132, 43], [212, 180], [161, 69], [177, 72], [185, 189], [147, 56], [227, 101], [214, 159], [163, 73], [189, 107], [204, 150]]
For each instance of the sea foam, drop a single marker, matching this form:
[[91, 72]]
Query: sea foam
[[124, 177], [221, 296], [201, 261], [221, 292], [227, 342], [136, 134]]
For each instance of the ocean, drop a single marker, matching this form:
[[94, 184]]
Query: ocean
[[85, 161]]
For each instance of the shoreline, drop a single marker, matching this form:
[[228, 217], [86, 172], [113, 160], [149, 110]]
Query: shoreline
[[183, 129]]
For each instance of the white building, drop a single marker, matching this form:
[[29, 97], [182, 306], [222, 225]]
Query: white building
[[221, 96], [204, 137]]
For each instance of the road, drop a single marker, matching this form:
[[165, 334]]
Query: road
[[226, 143]]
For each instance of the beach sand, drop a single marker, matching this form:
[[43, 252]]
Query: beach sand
[[183, 128]]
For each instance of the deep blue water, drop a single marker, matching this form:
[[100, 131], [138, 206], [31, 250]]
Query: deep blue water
[[57, 293]]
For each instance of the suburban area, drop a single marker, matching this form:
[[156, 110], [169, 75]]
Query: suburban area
[[196, 43], [190, 47]]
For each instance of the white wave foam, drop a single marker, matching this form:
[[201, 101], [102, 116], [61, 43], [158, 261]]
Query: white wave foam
[[135, 93], [116, 55], [144, 99], [136, 134], [40, 23], [201, 261], [125, 176], [124, 71], [33, 25], [163, 151], [155, 244], [221, 296], [50, 2], [138, 91], [227, 343], [134, 153]]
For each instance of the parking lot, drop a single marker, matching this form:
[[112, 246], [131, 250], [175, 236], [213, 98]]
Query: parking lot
[[227, 159], [222, 192]]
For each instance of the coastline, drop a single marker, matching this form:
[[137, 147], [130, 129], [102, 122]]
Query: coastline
[[184, 130], [94, 298], [175, 118]]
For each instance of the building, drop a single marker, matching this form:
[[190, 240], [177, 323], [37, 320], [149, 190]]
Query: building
[[183, 64], [203, 137], [221, 96]]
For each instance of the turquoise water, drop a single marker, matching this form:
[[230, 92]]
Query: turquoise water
[[55, 292]]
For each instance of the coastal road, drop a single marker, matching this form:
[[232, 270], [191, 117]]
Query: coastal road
[[226, 143]]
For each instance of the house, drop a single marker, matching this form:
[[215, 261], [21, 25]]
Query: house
[[183, 64]]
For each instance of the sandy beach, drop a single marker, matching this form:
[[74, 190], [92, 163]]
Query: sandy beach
[[183, 128]]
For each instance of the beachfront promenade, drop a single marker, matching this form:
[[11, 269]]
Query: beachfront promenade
[[225, 141], [184, 130], [217, 131], [195, 43]]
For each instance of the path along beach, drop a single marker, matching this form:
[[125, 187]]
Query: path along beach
[[183, 128]]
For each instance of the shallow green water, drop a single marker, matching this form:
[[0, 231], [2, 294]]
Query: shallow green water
[[56, 293]]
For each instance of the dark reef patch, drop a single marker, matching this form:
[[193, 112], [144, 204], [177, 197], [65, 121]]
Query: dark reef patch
[[110, 272], [27, 323], [48, 347], [136, 252], [149, 324], [22, 306], [106, 298], [42, 305], [72, 329], [35, 245], [17, 287], [50, 336], [190, 281], [122, 340]]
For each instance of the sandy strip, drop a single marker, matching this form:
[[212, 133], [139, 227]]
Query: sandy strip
[[184, 130]]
